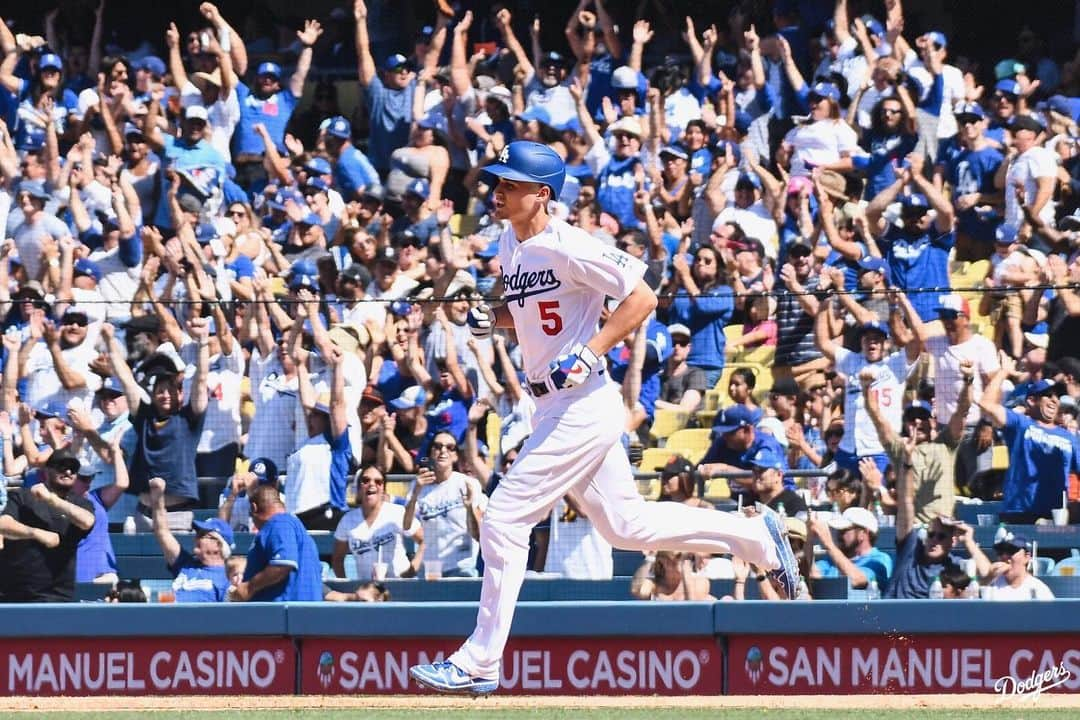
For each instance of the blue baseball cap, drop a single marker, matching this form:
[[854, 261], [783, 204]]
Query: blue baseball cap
[[303, 267], [434, 120], [50, 60], [742, 122], [400, 308], [419, 188], [298, 282], [217, 526], [269, 68], [874, 326], [395, 62], [87, 267], [1013, 541], [537, 113], [111, 386], [151, 64], [675, 151], [826, 90], [317, 183], [131, 128], [411, 397], [732, 418], [1045, 386], [938, 38], [318, 166], [265, 471], [919, 407], [915, 200], [970, 109], [309, 219], [339, 127], [527, 161], [875, 264], [1008, 86], [52, 409], [873, 25], [764, 458]]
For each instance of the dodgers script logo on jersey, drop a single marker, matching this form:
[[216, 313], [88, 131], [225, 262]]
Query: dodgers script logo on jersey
[[521, 285]]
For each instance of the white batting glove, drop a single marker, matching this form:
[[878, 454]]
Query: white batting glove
[[481, 321], [574, 368]]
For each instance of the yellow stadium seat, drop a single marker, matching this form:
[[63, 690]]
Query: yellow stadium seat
[[654, 459], [705, 417], [398, 488], [692, 443], [731, 332], [999, 458], [764, 355], [712, 400], [717, 489], [667, 422], [462, 225]]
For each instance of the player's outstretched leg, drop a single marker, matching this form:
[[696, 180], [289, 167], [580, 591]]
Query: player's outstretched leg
[[447, 677], [787, 575]]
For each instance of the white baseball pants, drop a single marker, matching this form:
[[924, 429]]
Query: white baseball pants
[[575, 450]]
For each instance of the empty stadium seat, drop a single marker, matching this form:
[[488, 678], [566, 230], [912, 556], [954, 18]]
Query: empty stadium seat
[[717, 489], [666, 422], [654, 459], [691, 443]]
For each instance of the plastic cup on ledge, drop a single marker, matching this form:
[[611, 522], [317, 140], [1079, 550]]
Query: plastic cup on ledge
[[432, 569]]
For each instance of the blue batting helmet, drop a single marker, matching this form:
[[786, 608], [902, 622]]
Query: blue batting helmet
[[527, 161]]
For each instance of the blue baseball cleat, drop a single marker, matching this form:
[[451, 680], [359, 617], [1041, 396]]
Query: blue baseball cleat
[[447, 677], [787, 575]]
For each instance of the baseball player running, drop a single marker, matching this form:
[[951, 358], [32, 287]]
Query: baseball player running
[[555, 280]]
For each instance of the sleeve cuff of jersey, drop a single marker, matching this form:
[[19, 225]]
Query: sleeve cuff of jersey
[[285, 563]]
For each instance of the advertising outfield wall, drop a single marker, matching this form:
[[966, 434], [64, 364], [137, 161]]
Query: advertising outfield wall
[[583, 648]]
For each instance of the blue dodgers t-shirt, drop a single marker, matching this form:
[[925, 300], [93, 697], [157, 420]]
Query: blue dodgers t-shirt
[[283, 541], [883, 151], [876, 564], [273, 112], [449, 414], [390, 114], [705, 315], [95, 555], [1040, 461], [971, 171], [194, 582], [718, 452], [616, 190], [353, 171], [919, 262]]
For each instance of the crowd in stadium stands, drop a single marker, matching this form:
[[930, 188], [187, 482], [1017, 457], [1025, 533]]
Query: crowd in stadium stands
[[215, 274]]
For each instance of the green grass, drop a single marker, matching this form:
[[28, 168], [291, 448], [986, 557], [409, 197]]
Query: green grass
[[1024, 712]]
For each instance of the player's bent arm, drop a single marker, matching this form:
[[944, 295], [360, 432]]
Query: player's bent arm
[[628, 316]]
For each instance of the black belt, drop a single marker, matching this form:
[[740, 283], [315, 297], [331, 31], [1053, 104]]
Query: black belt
[[541, 389]]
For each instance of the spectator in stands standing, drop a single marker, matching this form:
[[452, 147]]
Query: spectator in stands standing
[[374, 532], [704, 304], [1043, 457], [42, 527], [854, 556], [269, 105], [1010, 577], [796, 307], [166, 428], [283, 563], [949, 351], [318, 471], [891, 374], [449, 505], [199, 575]]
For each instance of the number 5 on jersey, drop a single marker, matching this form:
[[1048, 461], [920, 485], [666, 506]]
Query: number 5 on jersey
[[550, 320]]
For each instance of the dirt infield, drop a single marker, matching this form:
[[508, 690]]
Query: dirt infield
[[415, 702]]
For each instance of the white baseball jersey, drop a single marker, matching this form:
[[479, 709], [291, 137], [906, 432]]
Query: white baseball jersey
[[860, 437], [365, 541], [555, 283]]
